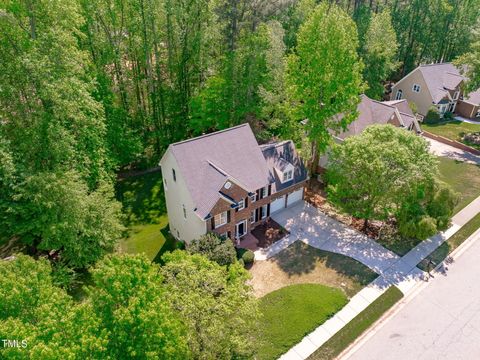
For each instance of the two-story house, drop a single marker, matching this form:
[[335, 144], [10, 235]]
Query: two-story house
[[226, 183], [438, 85]]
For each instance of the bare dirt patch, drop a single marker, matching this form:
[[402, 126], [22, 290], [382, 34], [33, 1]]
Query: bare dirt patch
[[302, 264]]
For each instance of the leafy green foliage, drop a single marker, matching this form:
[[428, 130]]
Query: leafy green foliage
[[52, 211], [471, 59], [248, 257], [379, 53], [214, 248], [404, 185], [324, 74], [32, 308], [433, 116], [129, 299], [205, 295]]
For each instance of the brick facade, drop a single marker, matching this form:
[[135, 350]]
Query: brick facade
[[234, 216]]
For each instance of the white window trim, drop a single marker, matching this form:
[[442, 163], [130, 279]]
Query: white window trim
[[263, 214], [418, 86], [287, 175], [252, 217], [224, 235], [253, 198], [244, 222], [456, 95], [220, 223], [399, 92], [478, 113], [264, 192], [242, 206]]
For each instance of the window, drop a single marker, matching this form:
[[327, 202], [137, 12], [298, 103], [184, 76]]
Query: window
[[224, 235], [287, 175], [264, 192], [165, 184], [263, 211], [220, 219], [174, 175], [478, 113], [252, 217], [184, 212], [399, 95], [415, 88], [241, 205], [253, 198], [456, 95]]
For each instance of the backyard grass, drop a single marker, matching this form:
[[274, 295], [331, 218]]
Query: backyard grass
[[453, 130], [440, 253], [347, 335], [144, 209], [292, 312], [463, 178], [301, 263]]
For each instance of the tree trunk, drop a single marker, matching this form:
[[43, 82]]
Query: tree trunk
[[365, 224]]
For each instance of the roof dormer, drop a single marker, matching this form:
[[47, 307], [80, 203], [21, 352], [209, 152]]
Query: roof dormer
[[284, 170]]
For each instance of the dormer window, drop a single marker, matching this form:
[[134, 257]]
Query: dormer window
[[456, 95], [241, 205], [264, 192], [287, 175], [398, 95], [416, 88]]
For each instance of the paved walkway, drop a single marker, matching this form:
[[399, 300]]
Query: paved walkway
[[442, 323], [309, 225], [444, 150]]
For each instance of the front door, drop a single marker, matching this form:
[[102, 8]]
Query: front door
[[241, 229]]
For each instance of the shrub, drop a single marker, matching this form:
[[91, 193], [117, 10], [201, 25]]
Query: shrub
[[248, 257], [448, 116], [432, 116], [214, 248]]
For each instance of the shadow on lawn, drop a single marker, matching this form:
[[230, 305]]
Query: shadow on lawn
[[142, 198], [300, 258]]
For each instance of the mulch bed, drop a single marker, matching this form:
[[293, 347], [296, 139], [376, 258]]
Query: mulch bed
[[316, 195], [269, 233]]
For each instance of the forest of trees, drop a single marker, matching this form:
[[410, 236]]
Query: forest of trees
[[91, 88]]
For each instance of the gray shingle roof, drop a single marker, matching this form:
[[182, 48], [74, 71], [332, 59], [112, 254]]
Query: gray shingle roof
[[279, 155], [440, 78], [207, 161], [473, 97], [372, 112]]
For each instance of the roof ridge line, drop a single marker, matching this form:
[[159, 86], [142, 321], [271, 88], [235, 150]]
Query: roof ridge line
[[210, 134]]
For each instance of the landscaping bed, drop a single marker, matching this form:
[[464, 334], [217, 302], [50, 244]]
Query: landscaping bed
[[441, 253], [350, 332], [291, 313], [268, 233], [383, 232], [453, 130], [301, 263]]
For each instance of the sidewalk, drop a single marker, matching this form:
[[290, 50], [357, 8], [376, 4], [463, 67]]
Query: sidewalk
[[403, 273]]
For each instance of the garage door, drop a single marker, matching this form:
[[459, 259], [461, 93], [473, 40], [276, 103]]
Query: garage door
[[294, 197], [278, 204]]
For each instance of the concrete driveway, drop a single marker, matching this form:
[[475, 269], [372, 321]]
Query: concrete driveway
[[309, 225], [441, 322], [440, 149]]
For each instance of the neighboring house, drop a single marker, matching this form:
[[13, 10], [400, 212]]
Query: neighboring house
[[226, 183], [438, 85], [371, 112], [469, 106]]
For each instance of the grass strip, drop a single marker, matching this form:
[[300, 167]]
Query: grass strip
[[440, 253], [347, 335]]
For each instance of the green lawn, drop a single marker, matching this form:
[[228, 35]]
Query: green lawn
[[464, 179], [144, 206], [453, 130], [347, 335], [292, 312], [451, 244]]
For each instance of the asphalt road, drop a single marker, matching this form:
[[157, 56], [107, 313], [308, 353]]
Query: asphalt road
[[441, 322]]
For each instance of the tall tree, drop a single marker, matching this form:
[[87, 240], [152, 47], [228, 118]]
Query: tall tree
[[379, 53], [324, 75], [471, 61], [205, 294]]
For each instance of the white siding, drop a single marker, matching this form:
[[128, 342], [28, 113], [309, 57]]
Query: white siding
[[177, 196]]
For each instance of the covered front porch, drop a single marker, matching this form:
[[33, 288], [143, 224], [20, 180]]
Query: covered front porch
[[263, 235]]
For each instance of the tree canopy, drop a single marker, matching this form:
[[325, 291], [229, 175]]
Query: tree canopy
[[388, 171]]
